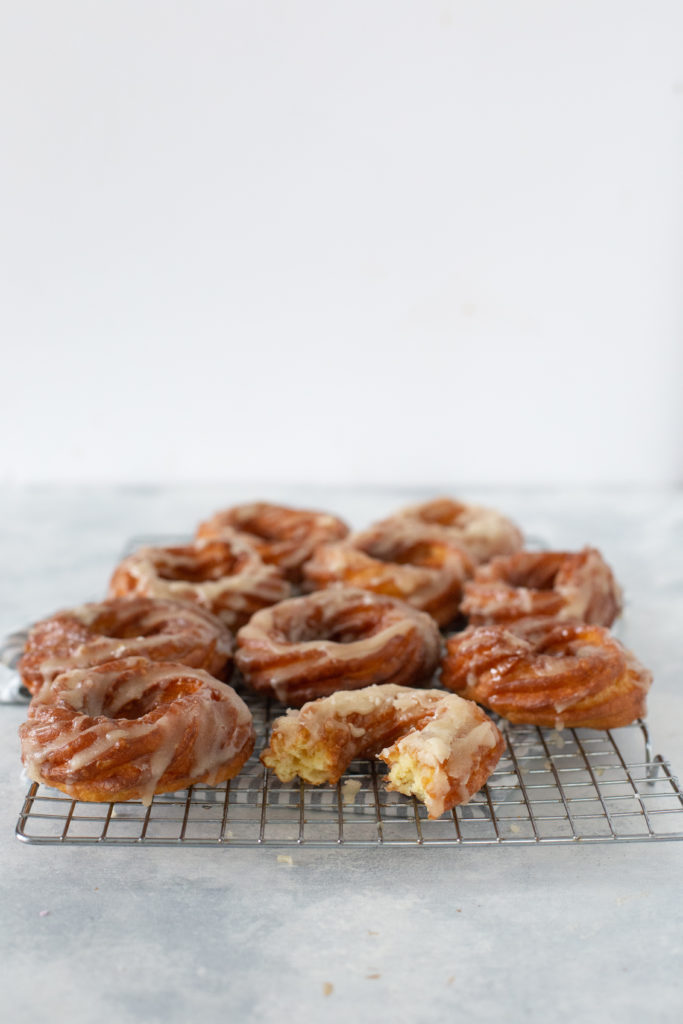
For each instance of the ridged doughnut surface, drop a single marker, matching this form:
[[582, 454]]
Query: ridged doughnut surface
[[438, 747], [283, 536], [336, 639], [405, 560], [129, 729], [225, 576], [556, 674], [482, 532], [124, 627], [554, 584]]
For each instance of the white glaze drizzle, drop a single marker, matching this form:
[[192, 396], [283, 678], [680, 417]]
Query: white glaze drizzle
[[256, 581], [292, 617], [186, 626], [484, 532], [221, 719]]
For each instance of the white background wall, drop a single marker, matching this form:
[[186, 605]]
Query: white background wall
[[420, 241]]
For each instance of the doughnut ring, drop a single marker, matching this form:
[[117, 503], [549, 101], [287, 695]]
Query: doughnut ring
[[335, 639], [482, 532], [285, 537], [128, 729], [555, 674], [225, 576], [415, 564], [531, 584], [123, 627], [438, 749]]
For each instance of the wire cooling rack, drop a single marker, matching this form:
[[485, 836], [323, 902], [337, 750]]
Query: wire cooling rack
[[577, 785]]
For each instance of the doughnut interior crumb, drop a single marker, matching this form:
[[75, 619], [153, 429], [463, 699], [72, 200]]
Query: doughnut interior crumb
[[408, 776], [312, 765]]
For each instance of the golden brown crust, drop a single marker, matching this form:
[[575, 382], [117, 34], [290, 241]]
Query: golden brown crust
[[129, 729], [285, 537], [555, 674], [123, 627], [482, 532], [225, 576], [341, 638], [548, 584], [404, 560], [438, 747]]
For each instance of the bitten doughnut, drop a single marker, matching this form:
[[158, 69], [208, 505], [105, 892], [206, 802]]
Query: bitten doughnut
[[336, 639], [225, 576], [438, 747], [283, 536], [120, 628], [129, 729], [556, 674], [554, 584], [482, 532], [403, 560]]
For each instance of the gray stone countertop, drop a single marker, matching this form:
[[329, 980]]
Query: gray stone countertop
[[531, 933]]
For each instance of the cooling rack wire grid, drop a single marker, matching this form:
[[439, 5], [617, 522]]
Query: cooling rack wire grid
[[578, 785]]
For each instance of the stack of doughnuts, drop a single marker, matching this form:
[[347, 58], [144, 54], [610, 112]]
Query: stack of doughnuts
[[130, 695]]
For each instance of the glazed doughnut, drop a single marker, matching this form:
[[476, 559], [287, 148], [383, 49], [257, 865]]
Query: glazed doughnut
[[128, 729], [439, 748], [532, 584], [549, 673], [225, 576], [405, 560], [336, 639], [120, 628], [283, 536], [482, 532]]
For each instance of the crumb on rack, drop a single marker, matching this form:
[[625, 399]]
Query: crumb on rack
[[328, 988], [350, 789], [284, 858]]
